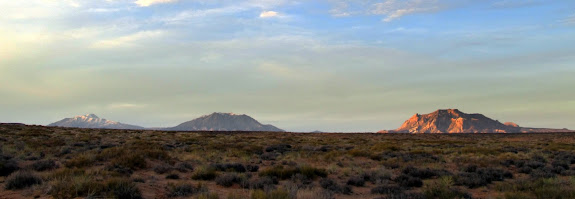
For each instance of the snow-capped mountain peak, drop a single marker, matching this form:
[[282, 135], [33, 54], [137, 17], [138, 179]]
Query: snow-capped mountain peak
[[92, 121], [91, 115]]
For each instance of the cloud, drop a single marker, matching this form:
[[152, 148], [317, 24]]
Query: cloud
[[127, 41], [404, 30], [391, 9], [569, 20], [146, 3], [32, 9], [74, 4], [268, 14], [224, 9], [187, 15], [104, 10]]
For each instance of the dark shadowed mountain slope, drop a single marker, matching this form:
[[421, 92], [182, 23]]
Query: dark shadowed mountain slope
[[92, 121], [224, 122]]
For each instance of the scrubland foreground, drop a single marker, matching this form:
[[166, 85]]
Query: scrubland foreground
[[51, 162]]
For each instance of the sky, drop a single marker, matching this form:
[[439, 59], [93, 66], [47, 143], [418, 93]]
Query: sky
[[329, 65]]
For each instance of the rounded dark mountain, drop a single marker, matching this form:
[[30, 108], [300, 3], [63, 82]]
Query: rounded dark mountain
[[224, 122]]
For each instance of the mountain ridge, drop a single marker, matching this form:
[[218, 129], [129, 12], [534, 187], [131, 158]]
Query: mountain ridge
[[218, 121], [455, 121], [92, 121]]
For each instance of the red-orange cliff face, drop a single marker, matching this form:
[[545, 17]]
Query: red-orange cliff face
[[511, 124], [453, 121]]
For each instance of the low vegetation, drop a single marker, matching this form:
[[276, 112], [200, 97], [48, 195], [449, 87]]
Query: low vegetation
[[50, 162], [22, 179]]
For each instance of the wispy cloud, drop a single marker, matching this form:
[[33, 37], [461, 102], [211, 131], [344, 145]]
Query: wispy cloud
[[268, 14], [569, 20], [186, 16], [104, 10], [226, 9], [391, 9], [33, 9], [127, 41], [404, 30], [146, 3]]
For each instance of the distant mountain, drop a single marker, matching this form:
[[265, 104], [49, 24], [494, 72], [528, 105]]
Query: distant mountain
[[224, 122], [92, 121], [511, 124], [455, 121]]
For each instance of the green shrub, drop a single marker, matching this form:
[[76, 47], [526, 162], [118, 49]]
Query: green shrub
[[258, 194], [443, 189], [204, 174], [553, 188], [278, 194], [387, 189], [123, 189], [279, 172], [377, 176], [258, 183], [516, 195], [64, 173], [227, 180], [76, 186], [356, 181], [81, 161], [424, 173], [21, 179], [208, 196], [359, 153], [275, 194], [185, 189], [161, 169], [44, 165], [285, 173], [312, 172], [132, 161], [331, 185], [481, 177], [230, 167], [173, 176], [408, 181], [7, 167]]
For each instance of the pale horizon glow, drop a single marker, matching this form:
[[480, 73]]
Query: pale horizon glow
[[328, 65]]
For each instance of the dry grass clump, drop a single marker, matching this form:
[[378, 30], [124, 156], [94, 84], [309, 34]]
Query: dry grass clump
[[205, 173], [22, 179], [72, 183], [185, 189]]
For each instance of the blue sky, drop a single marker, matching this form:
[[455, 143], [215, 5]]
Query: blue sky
[[330, 65]]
